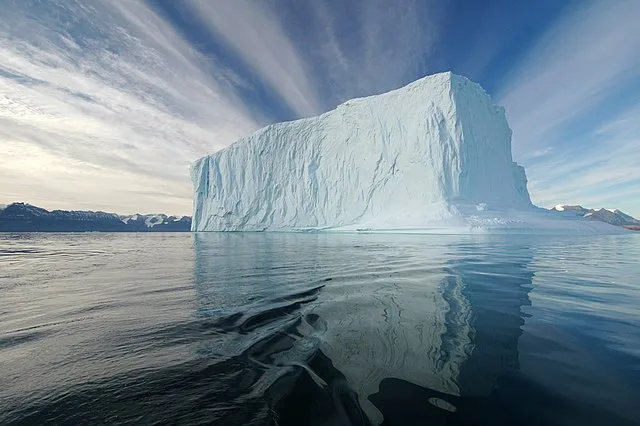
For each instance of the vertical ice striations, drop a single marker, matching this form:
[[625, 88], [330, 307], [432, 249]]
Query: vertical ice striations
[[409, 158]]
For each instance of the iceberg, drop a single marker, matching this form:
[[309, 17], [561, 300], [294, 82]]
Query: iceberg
[[432, 156]]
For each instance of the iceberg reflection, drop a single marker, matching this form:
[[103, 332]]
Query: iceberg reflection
[[366, 317]]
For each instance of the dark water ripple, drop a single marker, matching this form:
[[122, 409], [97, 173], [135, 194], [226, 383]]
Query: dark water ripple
[[318, 329]]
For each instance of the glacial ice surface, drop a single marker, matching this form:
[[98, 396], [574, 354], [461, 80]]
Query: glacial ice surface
[[433, 156]]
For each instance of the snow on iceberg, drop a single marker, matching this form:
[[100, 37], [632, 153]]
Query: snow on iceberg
[[419, 158]]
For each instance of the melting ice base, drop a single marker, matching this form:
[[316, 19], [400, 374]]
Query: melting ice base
[[434, 156]]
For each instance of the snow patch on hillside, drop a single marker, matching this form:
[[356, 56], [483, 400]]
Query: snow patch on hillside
[[151, 221]]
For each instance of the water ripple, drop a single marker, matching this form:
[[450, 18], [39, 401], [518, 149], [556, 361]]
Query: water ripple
[[293, 329]]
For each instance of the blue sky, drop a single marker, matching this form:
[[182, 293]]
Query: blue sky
[[104, 104]]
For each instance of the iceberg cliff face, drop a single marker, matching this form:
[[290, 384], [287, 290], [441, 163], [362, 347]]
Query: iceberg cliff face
[[419, 157], [403, 159]]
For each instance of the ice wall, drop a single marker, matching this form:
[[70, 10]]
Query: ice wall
[[406, 159]]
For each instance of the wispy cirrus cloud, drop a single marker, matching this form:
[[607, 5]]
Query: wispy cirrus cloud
[[253, 31], [104, 105], [331, 51], [588, 55], [389, 44], [561, 104], [603, 172]]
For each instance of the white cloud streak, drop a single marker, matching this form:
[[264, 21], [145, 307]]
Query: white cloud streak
[[583, 58], [350, 49], [602, 172], [254, 32], [591, 54], [103, 105]]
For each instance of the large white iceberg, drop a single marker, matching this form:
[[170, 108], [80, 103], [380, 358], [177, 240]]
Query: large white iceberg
[[433, 155]]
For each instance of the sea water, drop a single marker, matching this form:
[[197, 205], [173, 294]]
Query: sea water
[[326, 329]]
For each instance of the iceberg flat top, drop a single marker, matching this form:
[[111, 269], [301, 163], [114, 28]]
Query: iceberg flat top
[[435, 154]]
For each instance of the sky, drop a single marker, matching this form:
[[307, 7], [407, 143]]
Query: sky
[[105, 104]]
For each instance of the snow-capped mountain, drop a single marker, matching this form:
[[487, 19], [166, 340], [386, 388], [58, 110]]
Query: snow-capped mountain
[[22, 217], [611, 216]]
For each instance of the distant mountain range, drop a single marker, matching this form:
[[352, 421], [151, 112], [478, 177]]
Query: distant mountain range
[[22, 217], [611, 216]]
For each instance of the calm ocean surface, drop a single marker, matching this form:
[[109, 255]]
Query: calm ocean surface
[[319, 329]]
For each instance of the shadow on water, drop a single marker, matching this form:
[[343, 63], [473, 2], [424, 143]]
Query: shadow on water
[[338, 330]]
